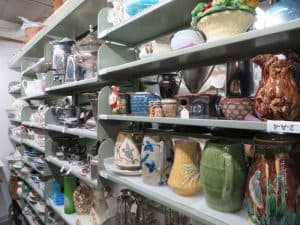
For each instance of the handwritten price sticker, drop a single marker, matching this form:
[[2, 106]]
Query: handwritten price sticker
[[283, 127]]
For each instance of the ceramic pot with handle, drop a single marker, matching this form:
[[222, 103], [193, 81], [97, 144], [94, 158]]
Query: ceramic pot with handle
[[128, 150], [185, 176], [32, 87], [155, 158], [271, 190], [223, 174]]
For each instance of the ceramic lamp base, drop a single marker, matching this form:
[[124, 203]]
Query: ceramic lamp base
[[225, 23]]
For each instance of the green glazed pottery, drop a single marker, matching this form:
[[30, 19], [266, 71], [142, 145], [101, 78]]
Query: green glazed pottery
[[223, 173]]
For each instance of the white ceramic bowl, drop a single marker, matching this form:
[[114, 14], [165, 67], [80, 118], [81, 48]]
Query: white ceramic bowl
[[225, 23], [186, 38]]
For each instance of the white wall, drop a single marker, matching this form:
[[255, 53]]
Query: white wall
[[7, 49]]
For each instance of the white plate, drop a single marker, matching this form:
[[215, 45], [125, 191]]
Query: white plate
[[110, 166]]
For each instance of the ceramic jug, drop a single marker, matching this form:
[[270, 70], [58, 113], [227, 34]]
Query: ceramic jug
[[185, 177], [271, 190], [98, 213], [128, 150], [277, 95], [155, 159], [223, 174]]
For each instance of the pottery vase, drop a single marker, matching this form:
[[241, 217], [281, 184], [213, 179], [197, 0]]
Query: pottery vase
[[271, 188], [82, 199], [98, 213], [69, 188], [185, 176], [277, 95], [128, 150], [223, 174], [155, 158]]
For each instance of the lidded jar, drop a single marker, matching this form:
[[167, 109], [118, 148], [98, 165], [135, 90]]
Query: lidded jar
[[272, 184]]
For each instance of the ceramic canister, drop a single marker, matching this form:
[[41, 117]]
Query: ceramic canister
[[185, 176], [127, 150], [271, 190], [153, 160], [223, 174]]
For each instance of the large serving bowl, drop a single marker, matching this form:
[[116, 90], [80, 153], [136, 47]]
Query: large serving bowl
[[225, 23]]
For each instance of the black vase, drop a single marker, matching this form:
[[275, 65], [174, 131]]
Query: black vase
[[169, 84]]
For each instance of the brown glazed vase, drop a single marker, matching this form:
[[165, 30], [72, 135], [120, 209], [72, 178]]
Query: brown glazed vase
[[272, 183]]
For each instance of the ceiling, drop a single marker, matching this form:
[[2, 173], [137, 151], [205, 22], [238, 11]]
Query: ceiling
[[35, 10]]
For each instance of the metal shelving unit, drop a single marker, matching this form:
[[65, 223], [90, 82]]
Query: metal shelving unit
[[33, 145], [245, 45], [38, 96], [33, 124], [74, 131], [69, 219], [75, 170], [41, 217], [34, 187], [194, 207], [134, 30], [204, 122], [63, 22], [15, 139]]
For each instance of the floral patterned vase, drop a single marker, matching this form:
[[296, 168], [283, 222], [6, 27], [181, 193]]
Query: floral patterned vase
[[99, 208], [185, 176], [223, 174], [272, 185], [128, 150]]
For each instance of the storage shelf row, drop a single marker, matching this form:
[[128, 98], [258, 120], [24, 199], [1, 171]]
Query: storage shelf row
[[194, 207], [75, 170], [70, 219], [34, 187], [63, 21]]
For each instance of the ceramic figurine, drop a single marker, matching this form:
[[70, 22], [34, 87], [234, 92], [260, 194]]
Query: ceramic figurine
[[185, 176], [271, 190], [223, 174], [118, 102], [127, 150], [153, 159]]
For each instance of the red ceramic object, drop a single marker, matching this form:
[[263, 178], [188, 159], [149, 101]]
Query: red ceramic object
[[236, 108]]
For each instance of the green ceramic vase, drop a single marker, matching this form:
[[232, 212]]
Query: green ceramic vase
[[223, 173], [69, 188]]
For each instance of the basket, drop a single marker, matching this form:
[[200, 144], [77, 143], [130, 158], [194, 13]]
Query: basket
[[30, 32], [225, 23]]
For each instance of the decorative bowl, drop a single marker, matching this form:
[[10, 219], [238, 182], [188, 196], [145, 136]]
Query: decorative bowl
[[186, 38], [236, 108], [225, 23]]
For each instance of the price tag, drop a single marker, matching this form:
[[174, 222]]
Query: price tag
[[103, 174], [283, 126], [184, 114], [133, 208], [103, 117]]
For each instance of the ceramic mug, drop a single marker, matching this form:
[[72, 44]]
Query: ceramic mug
[[128, 150], [153, 160]]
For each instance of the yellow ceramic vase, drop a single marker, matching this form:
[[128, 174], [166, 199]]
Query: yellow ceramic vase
[[185, 174]]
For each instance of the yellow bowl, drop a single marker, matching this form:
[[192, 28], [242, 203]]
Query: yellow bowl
[[225, 23]]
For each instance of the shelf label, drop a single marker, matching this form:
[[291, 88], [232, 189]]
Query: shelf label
[[184, 114], [283, 126], [133, 208], [103, 117]]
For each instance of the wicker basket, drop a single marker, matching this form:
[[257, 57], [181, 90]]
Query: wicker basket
[[30, 32]]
